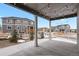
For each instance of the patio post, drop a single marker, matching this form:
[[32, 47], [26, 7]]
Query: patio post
[[36, 28], [78, 26], [50, 29]]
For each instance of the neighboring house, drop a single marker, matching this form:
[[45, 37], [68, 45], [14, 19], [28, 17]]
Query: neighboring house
[[0, 28], [43, 29], [61, 28], [21, 25], [73, 30], [43, 32]]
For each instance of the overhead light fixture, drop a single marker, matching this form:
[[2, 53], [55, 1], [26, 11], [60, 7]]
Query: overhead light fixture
[[14, 3], [48, 5], [24, 3], [72, 10], [66, 6]]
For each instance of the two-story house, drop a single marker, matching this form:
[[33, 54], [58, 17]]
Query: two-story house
[[21, 25]]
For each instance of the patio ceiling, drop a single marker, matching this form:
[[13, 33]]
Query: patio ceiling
[[50, 11]]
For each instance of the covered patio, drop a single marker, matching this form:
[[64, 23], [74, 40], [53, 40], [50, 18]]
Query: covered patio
[[54, 47], [51, 12]]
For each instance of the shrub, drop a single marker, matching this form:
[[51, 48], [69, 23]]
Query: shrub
[[31, 35], [14, 37], [42, 35]]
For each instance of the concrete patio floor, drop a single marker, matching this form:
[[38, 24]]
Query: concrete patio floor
[[55, 47]]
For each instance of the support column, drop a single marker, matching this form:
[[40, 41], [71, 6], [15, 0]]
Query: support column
[[29, 32], [49, 29], [36, 27], [78, 26]]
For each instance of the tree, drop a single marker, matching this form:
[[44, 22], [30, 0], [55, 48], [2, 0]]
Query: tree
[[14, 37], [31, 33]]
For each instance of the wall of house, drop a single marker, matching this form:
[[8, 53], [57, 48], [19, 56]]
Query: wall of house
[[20, 25]]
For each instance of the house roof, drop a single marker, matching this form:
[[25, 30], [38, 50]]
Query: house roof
[[60, 25], [12, 17]]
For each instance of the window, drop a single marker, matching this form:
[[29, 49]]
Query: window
[[9, 27], [8, 20], [25, 22], [31, 23], [31, 27], [18, 21], [18, 27]]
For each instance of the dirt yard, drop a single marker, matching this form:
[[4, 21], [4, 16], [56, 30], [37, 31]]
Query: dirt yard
[[6, 43]]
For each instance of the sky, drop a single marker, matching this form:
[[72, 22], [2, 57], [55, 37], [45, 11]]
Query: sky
[[71, 21], [6, 11]]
